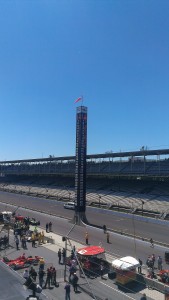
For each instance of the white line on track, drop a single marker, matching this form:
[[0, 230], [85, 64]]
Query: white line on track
[[117, 290]]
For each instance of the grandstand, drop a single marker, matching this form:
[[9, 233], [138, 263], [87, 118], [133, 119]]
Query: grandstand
[[134, 182]]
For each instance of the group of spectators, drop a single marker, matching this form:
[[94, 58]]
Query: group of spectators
[[151, 264], [49, 274], [61, 256], [73, 278], [31, 236], [49, 227], [38, 237]]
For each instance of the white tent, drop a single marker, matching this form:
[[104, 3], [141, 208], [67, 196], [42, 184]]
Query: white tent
[[125, 263]]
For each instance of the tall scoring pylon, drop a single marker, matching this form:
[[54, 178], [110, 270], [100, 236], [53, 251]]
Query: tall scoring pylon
[[80, 164]]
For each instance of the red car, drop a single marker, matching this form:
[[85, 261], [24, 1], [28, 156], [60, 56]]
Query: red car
[[21, 262]]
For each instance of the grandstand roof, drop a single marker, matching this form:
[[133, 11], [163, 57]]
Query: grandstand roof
[[93, 156]]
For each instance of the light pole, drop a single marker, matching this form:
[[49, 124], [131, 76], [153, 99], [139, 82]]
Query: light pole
[[100, 200], [134, 232], [29, 190], [65, 257], [142, 202], [68, 192], [46, 193]]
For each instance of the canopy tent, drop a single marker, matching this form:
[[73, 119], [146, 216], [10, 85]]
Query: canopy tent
[[91, 250], [125, 263]]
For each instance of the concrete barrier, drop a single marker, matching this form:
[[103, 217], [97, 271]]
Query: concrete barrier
[[151, 283]]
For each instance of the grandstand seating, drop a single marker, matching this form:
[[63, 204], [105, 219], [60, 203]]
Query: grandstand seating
[[130, 194], [132, 183]]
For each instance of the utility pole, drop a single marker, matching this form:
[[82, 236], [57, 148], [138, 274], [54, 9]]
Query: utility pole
[[65, 258]]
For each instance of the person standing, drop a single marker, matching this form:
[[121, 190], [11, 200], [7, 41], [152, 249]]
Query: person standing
[[143, 297], [152, 243], [67, 291], [74, 282], [17, 242], [50, 226], [101, 270], [104, 228], [39, 238], [72, 270], [87, 238], [33, 237], [54, 276], [33, 273], [140, 266], [108, 237], [47, 227], [64, 255], [26, 274], [59, 256], [42, 237], [24, 240], [153, 259], [159, 262], [41, 276], [48, 279], [41, 263]]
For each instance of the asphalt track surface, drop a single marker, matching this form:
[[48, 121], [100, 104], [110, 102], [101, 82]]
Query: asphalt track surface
[[120, 245], [127, 224]]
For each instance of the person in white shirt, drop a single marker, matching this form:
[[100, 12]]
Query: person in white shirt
[[26, 274]]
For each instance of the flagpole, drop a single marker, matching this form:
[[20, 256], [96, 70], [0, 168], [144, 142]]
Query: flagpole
[[82, 100]]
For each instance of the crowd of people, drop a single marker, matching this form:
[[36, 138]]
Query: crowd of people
[[47, 277], [49, 227], [150, 262], [61, 256], [41, 277]]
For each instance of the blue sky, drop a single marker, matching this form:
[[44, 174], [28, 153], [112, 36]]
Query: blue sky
[[114, 53]]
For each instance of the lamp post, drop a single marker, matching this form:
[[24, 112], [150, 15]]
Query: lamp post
[[64, 239], [65, 187], [100, 200], [142, 202]]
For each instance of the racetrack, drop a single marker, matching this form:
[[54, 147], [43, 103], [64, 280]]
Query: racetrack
[[145, 228]]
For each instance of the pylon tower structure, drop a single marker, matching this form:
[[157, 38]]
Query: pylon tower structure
[[80, 165]]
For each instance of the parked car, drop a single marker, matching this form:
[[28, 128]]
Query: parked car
[[69, 205]]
